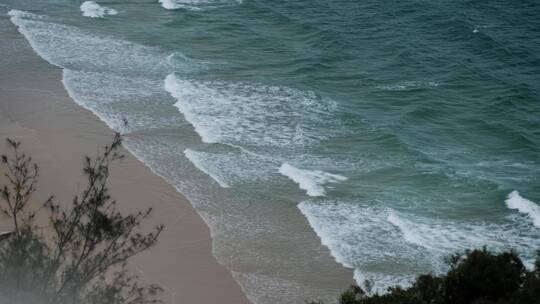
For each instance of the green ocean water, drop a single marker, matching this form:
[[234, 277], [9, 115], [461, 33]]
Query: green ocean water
[[381, 135]]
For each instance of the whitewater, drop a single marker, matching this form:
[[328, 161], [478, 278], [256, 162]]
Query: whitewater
[[93, 10]]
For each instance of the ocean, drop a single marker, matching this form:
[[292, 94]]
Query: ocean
[[321, 141]]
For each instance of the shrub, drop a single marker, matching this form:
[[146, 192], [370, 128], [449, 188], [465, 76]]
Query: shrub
[[82, 257]]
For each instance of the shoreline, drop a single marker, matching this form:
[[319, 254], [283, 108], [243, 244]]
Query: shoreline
[[35, 109]]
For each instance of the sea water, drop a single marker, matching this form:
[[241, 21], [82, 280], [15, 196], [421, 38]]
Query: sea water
[[321, 141]]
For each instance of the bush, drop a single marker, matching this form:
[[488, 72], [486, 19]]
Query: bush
[[83, 254], [475, 277]]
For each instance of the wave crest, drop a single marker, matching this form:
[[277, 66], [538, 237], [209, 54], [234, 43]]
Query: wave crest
[[525, 206], [196, 5], [312, 181], [380, 242], [93, 10], [252, 115]]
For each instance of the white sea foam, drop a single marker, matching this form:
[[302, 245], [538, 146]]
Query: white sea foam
[[99, 73], [169, 4], [242, 114], [523, 205], [312, 181], [444, 236], [384, 243], [408, 233], [196, 5], [69, 47], [93, 10]]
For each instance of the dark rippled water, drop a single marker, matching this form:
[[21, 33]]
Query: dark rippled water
[[392, 133]]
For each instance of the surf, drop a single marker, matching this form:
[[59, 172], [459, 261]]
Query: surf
[[93, 10]]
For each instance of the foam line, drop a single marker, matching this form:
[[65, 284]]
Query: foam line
[[312, 181], [69, 47], [364, 237], [252, 115], [196, 5], [525, 206], [93, 10]]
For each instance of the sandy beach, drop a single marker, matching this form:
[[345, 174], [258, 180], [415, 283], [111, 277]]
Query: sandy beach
[[36, 110]]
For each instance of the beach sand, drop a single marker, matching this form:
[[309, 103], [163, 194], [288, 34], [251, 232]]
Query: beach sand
[[36, 110]]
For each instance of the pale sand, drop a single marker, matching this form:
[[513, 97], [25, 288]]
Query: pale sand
[[35, 109]]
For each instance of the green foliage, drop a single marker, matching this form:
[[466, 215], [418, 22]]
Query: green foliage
[[84, 259], [475, 277], [482, 275]]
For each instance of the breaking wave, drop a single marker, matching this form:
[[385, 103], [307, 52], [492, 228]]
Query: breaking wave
[[69, 47], [248, 115], [313, 181], [389, 247], [196, 5], [525, 206], [93, 10]]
